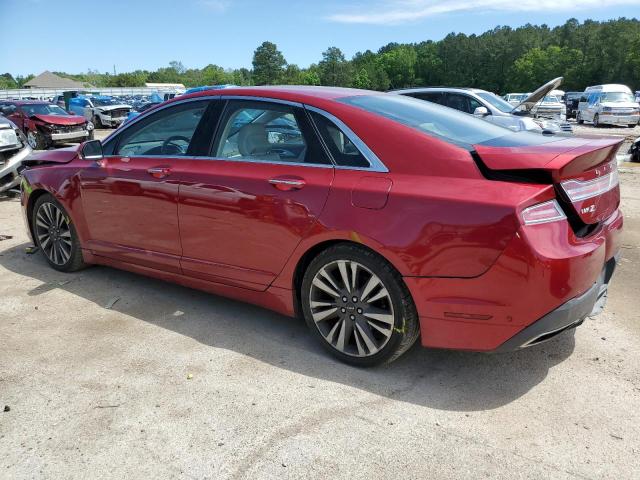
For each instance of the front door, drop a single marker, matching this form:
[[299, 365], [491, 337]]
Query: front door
[[130, 198], [244, 210]]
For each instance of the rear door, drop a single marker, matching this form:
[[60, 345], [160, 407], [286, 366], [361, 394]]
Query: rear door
[[246, 206], [130, 197]]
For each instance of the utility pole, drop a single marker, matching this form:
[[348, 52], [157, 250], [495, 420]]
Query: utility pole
[[114, 69]]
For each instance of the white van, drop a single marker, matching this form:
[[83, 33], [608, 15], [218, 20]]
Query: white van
[[608, 105]]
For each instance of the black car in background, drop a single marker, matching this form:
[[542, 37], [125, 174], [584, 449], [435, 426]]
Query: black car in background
[[571, 100]]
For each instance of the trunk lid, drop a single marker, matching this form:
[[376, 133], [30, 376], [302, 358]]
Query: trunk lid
[[582, 170]]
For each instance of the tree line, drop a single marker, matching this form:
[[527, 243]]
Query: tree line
[[500, 60]]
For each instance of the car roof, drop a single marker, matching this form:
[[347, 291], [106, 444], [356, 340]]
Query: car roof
[[28, 102], [299, 93], [438, 89]]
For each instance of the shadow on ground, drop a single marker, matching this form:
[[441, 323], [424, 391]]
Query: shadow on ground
[[447, 380]]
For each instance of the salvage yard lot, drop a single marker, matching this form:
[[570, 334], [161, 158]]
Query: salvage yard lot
[[110, 374]]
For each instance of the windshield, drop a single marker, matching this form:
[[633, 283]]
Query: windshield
[[617, 97], [550, 99], [43, 109], [104, 101], [496, 101], [516, 97], [449, 124]]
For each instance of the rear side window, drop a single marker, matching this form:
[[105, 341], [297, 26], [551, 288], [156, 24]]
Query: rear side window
[[342, 149], [435, 97], [448, 124], [267, 132]]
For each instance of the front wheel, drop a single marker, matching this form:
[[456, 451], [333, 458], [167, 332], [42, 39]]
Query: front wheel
[[579, 118], [596, 121], [97, 123], [36, 140], [55, 235], [358, 307]]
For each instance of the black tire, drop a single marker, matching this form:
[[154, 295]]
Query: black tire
[[37, 140], [97, 123], [405, 330], [75, 261], [596, 121], [579, 119], [90, 136]]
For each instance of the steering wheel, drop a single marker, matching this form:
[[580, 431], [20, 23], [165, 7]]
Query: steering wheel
[[170, 140]]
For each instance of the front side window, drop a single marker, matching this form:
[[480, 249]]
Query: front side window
[[496, 101], [168, 132], [264, 131], [342, 149], [459, 102]]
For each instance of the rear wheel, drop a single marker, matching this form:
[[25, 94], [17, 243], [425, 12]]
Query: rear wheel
[[55, 235], [357, 305], [579, 119]]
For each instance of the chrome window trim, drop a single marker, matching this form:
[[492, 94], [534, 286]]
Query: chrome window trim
[[375, 164], [262, 99]]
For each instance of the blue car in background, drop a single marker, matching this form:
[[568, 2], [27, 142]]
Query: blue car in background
[[208, 87]]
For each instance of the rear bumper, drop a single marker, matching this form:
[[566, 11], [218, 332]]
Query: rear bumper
[[567, 316], [543, 269]]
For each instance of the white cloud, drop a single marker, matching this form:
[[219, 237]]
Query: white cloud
[[389, 12], [215, 5]]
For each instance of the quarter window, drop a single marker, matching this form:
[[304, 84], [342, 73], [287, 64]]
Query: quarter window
[[165, 133], [342, 149], [269, 132]]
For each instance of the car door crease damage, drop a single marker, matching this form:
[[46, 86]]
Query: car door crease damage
[[379, 218]]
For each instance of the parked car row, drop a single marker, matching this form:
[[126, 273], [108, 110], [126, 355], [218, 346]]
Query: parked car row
[[609, 104]]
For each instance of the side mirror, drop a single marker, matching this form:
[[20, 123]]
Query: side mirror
[[91, 150], [481, 112]]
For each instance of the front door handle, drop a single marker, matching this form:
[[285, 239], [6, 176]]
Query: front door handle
[[159, 172], [287, 183]]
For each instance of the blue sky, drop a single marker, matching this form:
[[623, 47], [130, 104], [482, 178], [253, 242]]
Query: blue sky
[[75, 35]]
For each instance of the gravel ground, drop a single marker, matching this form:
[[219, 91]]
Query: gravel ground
[[169, 382]]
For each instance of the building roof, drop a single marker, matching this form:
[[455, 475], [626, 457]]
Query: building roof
[[50, 80], [164, 85]]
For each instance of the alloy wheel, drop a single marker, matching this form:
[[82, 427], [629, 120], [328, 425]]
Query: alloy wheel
[[54, 233], [32, 140], [352, 308]]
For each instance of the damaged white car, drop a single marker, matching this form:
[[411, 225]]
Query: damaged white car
[[13, 150], [103, 111]]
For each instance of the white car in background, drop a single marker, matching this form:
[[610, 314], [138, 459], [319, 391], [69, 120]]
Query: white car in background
[[610, 104]]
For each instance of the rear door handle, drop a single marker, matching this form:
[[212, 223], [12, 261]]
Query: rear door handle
[[159, 172], [287, 183]]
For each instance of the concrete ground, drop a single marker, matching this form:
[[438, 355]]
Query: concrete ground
[[108, 374]]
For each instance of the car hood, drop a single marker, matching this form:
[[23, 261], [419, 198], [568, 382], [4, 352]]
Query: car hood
[[108, 108], [60, 155], [62, 120], [529, 102]]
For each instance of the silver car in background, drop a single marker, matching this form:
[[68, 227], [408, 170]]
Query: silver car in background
[[13, 151], [494, 109]]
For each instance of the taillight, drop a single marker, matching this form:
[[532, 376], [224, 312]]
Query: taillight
[[543, 213], [578, 190]]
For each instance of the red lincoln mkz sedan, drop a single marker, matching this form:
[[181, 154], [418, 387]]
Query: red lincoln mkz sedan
[[378, 218]]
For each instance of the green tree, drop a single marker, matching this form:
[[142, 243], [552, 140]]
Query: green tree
[[334, 69], [362, 80], [399, 64], [268, 64]]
